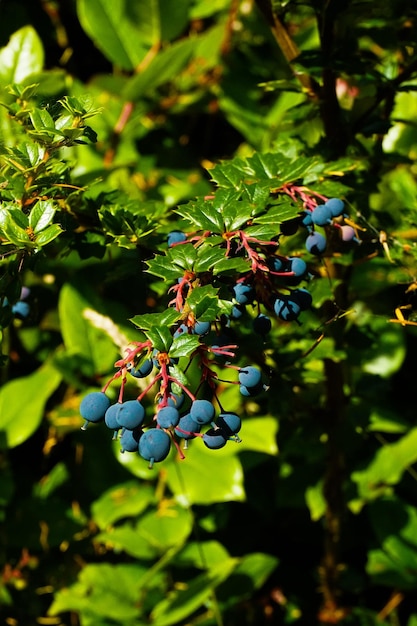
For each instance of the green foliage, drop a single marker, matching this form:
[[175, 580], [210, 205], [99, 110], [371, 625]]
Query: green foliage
[[229, 122]]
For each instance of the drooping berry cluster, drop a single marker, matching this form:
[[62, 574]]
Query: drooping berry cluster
[[220, 274]]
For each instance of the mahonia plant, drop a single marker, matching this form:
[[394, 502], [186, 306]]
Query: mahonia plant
[[224, 264]]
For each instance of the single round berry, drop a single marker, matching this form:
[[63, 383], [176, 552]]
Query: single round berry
[[21, 309], [154, 445], [143, 370], [250, 376], [278, 264], [187, 428], [94, 406], [237, 311], [243, 293], [167, 417], [131, 414], [202, 411], [262, 324], [201, 328], [129, 439], [298, 266], [215, 438], [176, 236], [348, 233], [321, 215], [230, 423], [110, 416], [250, 392], [316, 243], [302, 298], [335, 206], [181, 330], [288, 310]]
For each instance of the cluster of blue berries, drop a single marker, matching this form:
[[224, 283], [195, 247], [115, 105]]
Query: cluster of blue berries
[[271, 285], [153, 439], [324, 215]]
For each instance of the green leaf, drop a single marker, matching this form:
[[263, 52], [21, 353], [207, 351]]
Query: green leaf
[[22, 403], [316, 501], [127, 538], [22, 58], [184, 345], [388, 466], [202, 215], [92, 345], [394, 523], [281, 210], [176, 260], [41, 120], [148, 321], [164, 68], [208, 257], [41, 215], [256, 568], [208, 476], [232, 265], [114, 30], [104, 591], [13, 225], [182, 603], [204, 554], [203, 302], [128, 499], [48, 234], [166, 528], [160, 337], [160, 21]]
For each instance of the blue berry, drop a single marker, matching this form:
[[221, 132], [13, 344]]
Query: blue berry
[[243, 293], [278, 264], [154, 445], [110, 416], [262, 324], [230, 423], [250, 376], [202, 411], [335, 206], [167, 417], [93, 407], [237, 311], [298, 266], [201, 328], [316, 243], [321, 215], [287, 309], [129, 439], [176, 236], [302, 298], [21, 309], [249, 392], [143, 370], [215, 438], [131, 414], [181, 330], [187, 428]]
